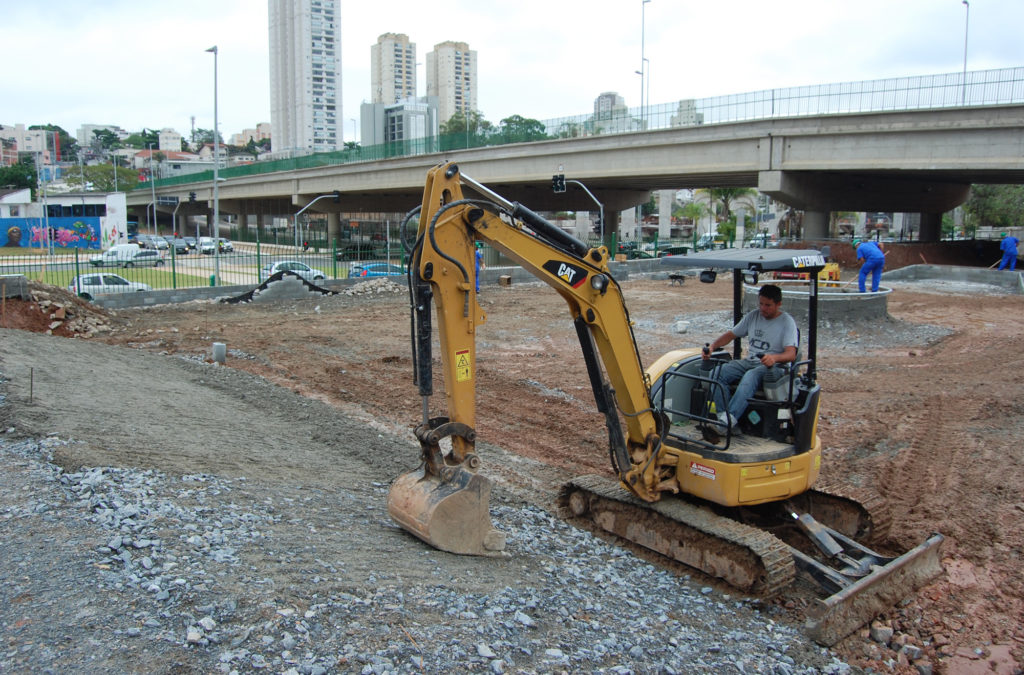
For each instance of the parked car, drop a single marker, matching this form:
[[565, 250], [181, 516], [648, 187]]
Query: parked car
[[302, 269], [89, 286], [674, 250], [375, 269]]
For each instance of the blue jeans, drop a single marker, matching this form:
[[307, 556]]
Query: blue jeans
[[749, 373], [874, 267]]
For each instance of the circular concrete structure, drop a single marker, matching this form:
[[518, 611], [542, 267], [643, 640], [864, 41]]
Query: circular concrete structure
[[837, 301]]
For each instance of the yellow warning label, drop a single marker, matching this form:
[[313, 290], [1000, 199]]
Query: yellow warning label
[[463, 367]]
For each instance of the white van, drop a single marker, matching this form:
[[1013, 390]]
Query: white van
[[117, 255]]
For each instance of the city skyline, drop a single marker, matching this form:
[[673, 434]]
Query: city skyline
[[78, 75]]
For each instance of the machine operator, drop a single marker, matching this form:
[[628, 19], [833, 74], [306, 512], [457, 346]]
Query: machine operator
[[772, 339]]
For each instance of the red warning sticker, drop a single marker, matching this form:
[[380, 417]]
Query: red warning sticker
[[698, 469]]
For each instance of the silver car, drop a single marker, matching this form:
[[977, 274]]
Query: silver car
[[302, 269], [89, 286]]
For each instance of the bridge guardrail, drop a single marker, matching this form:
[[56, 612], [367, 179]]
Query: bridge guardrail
[[985, 87]]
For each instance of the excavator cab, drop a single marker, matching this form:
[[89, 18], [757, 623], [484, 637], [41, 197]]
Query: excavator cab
[[778, 454]]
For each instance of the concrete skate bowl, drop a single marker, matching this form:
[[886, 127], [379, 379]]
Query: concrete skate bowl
[[837, 301]]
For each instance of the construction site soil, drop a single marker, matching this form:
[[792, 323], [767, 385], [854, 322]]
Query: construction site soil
[[926, 408]]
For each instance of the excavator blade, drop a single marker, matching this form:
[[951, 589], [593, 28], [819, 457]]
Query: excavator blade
[[450, 512], [835, 617]]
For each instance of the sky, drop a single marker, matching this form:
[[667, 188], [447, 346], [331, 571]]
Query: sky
[[139, 64]]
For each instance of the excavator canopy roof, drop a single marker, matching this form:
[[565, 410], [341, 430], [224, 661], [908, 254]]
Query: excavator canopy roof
[[759, 259]]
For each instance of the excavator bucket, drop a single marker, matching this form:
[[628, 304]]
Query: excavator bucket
[[449, 512], [835, 617]]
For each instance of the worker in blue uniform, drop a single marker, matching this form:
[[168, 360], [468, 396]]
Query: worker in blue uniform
[[1009, 248], [874, 261]]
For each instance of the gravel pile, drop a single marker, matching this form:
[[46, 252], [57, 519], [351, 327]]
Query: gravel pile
[[374, 287], [186, 571]]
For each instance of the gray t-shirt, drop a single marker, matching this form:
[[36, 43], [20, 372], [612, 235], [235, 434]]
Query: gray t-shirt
[[767, 336]]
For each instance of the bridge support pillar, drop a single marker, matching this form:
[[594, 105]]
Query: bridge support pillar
[[611, 225], [333, 228], [261, 226], [666, 200], [815, 225], [931, 227]]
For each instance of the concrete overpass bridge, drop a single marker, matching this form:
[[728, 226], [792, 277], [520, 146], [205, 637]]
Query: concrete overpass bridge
[[909, 160]]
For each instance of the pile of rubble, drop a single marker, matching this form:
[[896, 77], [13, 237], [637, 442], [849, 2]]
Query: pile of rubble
[[374, 287], [54, 311]]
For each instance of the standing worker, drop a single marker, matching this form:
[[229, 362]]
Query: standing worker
[[479, 262], [874, 261], [1009, 248]]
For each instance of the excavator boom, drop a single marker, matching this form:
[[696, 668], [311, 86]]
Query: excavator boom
[[444, 500]]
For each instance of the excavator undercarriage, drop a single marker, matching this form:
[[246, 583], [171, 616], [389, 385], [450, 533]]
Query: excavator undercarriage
[[761, 551]]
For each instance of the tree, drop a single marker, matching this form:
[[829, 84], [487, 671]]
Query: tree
[[729, 198], [648, 208], [143, 138], [694, 211], [20, 175], [105, 139], [519, 129], [996, 206], [101, 178], [570, 130], [467, 129], [205, 137]]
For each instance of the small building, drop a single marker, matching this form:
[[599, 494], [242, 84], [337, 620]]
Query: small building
[[89, 220]]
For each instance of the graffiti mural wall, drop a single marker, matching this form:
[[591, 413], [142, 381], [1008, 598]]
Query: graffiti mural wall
[[64, 232]]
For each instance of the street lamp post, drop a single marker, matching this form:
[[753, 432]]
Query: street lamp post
[[967, 21], [643, 56], [600, 206], [216, 178], [152, 189]]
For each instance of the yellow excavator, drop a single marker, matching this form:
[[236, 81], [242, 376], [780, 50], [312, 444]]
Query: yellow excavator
[[739, 507]]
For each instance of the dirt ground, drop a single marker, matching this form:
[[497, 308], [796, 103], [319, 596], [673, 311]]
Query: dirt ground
[[935, 426]]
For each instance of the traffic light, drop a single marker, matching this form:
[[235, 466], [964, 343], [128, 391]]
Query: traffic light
[[558, 182], [191, 196], [337, 196]]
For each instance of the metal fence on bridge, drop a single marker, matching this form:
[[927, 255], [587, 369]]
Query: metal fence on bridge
[[979, 88]]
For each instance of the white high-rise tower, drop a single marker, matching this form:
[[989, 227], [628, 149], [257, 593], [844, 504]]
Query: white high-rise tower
[[451, 77], [305, 75], [392, 68]]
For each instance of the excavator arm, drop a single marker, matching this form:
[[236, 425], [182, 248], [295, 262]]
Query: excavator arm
[[444, 501]]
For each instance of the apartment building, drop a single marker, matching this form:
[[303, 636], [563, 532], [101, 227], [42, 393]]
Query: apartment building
[[392, 69], [452, 78], [305, 76]]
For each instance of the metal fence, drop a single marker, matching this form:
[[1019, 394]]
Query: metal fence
[[986, 87], [247, 264]]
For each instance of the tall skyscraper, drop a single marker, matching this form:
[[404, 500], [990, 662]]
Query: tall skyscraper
[[393, 68], [305, 75], [451, 77]]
